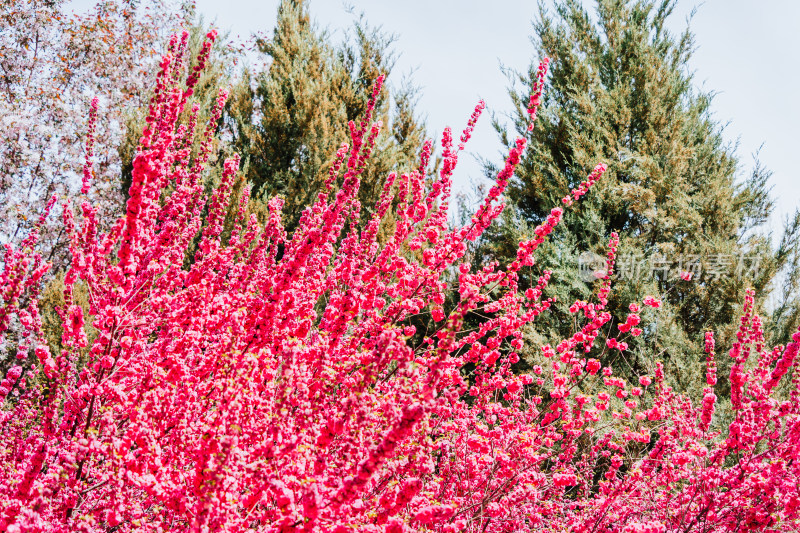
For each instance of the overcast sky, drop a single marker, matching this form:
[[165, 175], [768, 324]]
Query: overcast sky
[[747, 52]]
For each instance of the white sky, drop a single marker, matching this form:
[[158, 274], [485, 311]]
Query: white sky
[[747, 52]]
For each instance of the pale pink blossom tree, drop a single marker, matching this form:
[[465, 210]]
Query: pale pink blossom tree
[[52, 64]]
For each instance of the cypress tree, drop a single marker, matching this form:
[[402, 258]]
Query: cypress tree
[[219, 72], [621, 92], [289, 119]]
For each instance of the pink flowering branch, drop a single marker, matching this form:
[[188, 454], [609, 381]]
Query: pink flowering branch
[[272, 384]]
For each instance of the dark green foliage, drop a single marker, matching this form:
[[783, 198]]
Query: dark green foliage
[[219, 73], [288, 121], [620, 92]]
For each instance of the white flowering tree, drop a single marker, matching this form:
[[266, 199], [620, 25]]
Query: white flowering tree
[[52, 63]]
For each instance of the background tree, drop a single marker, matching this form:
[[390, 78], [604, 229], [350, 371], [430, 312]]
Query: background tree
[[219, 72], [621, 92], [52, 63], [288, 120]]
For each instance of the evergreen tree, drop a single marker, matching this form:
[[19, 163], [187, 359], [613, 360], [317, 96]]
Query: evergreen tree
[[288, 121], [621, 92], [219, 73]]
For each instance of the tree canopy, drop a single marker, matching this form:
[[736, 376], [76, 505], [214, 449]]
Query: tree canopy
[[289, 119], [622, 92]]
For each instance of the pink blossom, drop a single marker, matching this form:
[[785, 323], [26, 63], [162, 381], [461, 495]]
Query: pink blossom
[[280, 382]]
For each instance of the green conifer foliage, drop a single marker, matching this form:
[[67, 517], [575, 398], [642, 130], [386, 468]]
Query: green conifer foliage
[[621, 92], [219, 72], [289, 119]]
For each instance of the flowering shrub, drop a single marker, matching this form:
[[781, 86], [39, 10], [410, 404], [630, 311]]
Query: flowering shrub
[[276, 383]]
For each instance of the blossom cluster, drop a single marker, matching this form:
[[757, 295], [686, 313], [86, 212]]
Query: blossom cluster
[[284, 383]]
